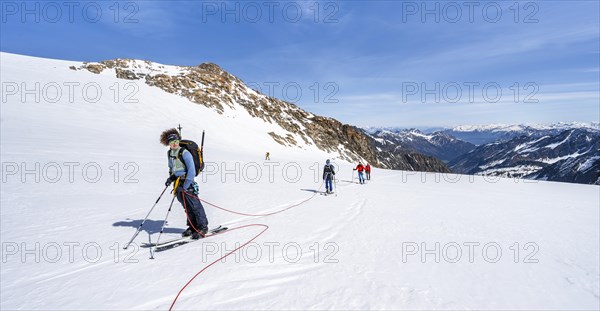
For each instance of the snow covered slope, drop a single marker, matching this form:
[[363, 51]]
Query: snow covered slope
[[372, 246]]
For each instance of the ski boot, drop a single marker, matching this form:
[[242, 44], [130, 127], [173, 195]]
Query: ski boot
[[201, 234], [187, 232]]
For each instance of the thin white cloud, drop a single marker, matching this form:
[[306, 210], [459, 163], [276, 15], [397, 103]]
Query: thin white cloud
[[557, 93], [508, 44], [589, 70]]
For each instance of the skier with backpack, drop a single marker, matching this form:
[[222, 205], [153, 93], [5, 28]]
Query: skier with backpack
[[360, 168], [185, 163], [328, 174]]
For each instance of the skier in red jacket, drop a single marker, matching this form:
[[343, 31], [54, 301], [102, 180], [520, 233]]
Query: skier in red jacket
[[360, 168], [368, 171]]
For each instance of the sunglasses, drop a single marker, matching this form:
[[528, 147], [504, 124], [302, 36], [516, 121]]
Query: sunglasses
[[174, 142]]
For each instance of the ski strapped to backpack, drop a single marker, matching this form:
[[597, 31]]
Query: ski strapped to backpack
[[194, 150]]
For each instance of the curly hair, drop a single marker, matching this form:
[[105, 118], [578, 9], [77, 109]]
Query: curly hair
[[165, 134]]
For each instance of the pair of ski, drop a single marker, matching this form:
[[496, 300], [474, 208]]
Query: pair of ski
[[163, 246]]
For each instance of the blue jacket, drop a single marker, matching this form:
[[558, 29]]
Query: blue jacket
[[190, 169]]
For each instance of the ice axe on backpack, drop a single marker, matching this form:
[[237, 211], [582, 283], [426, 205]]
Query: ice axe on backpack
[[202, 150]]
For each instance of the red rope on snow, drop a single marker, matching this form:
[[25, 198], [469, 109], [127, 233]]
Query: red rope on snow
[[233, 229], [214, 262], [259, 215]]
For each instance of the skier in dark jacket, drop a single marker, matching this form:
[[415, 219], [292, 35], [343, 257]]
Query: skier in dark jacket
[[182, 171], [328, 173]]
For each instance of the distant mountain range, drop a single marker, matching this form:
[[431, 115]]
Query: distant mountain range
[[567, 152], [484, 134], [438, 144], [570, 156]]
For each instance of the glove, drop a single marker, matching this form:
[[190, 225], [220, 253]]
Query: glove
[[193, 188], [170, 180]]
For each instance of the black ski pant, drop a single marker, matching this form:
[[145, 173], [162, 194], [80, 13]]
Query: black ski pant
[[193, 209]]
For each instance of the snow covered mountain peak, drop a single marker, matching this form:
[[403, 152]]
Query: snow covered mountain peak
[[525, 127], [438, 144], [571, 155]]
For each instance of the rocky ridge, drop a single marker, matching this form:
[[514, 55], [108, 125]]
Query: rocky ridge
[[211, 86]]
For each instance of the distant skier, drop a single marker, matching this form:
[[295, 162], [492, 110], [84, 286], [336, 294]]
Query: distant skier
[[328, 174], [182, 171], [368, 171], [267, 156], [360, 168]]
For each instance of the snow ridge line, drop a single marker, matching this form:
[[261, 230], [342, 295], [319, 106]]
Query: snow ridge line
[[266, 227]]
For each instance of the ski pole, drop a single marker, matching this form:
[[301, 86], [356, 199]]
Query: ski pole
[[143, 221], [335, 185], [162, 228]]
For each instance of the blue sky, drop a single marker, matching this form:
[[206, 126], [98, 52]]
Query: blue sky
[[369, 60]]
